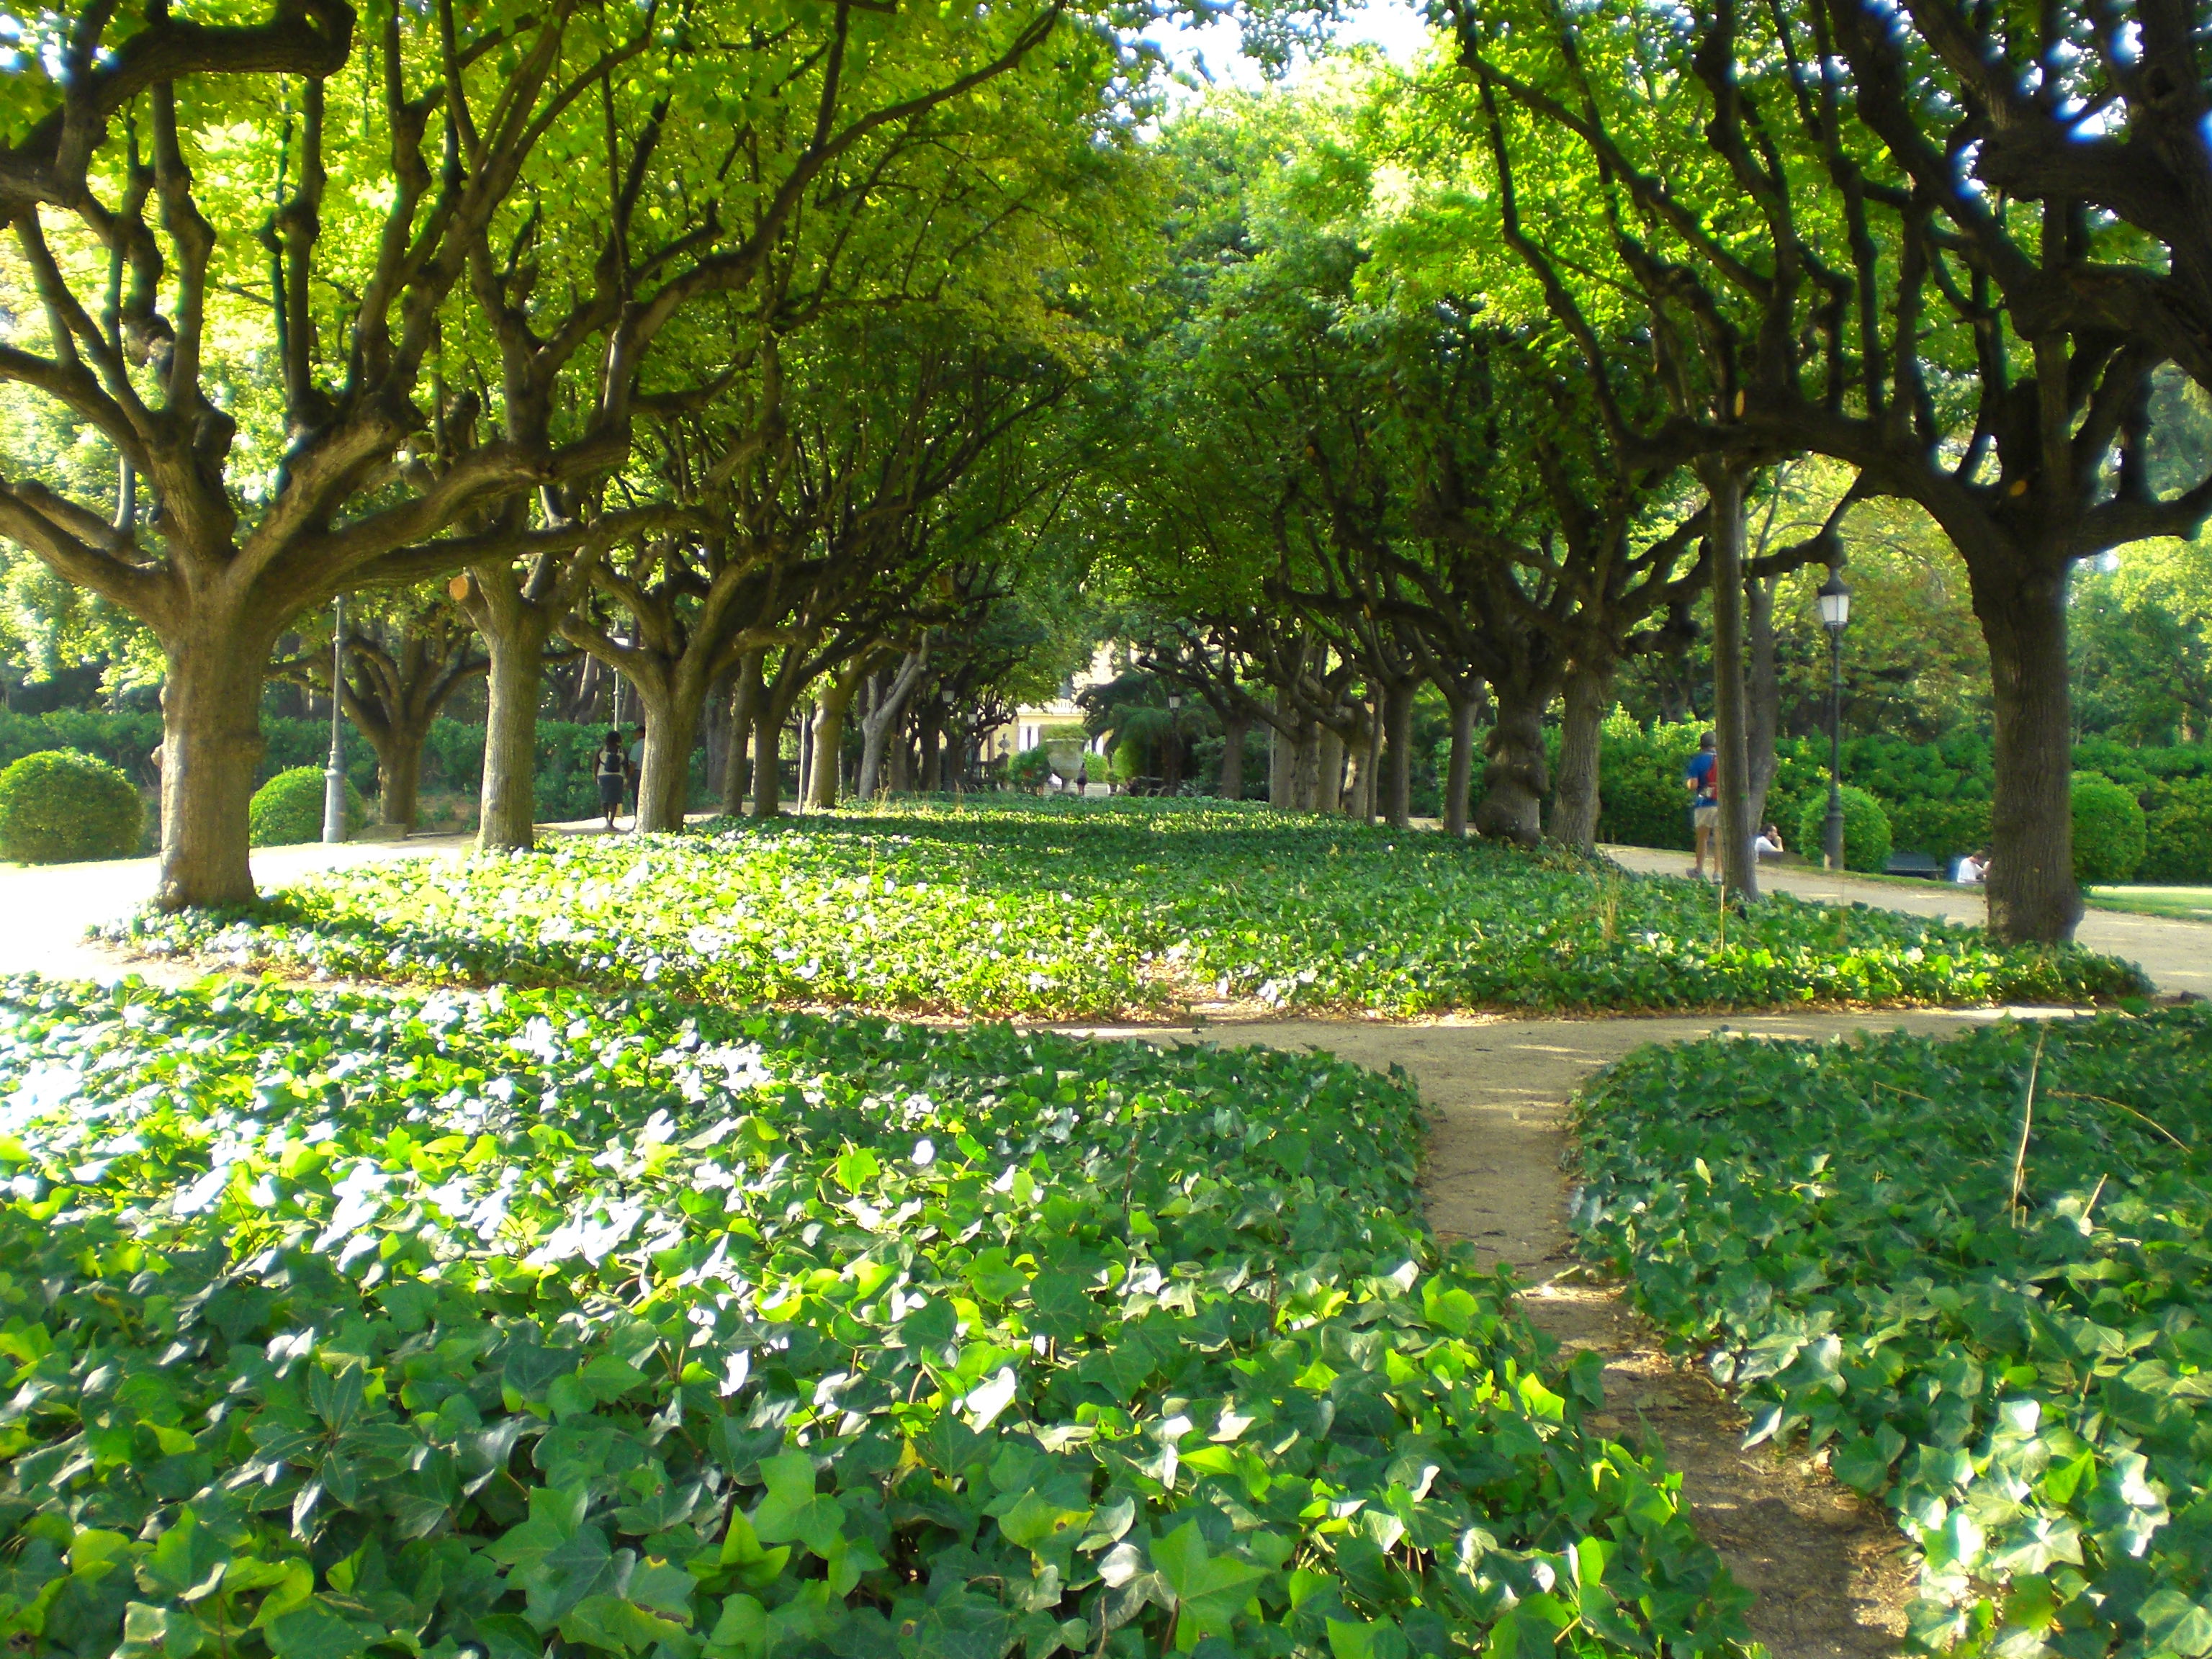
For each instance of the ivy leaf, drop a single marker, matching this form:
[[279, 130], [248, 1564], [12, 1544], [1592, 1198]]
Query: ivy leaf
[[313, 1630], [791, 1510], [1209, 1589]]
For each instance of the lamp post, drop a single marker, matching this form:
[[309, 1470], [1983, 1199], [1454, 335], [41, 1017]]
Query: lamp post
[[1835, 601], [1173, 780], [334, 799]]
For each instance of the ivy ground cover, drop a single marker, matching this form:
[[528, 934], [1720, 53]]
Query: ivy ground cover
[[542, 1323], [1068, 911], [1977, 1269]]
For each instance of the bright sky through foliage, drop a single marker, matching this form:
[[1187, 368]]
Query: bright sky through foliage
[[1396, 26]]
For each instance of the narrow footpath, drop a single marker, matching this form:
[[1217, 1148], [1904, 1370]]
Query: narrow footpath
[[1829, 1569]]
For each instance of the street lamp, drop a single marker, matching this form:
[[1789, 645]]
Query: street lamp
[[1835, 601], [334, 799]]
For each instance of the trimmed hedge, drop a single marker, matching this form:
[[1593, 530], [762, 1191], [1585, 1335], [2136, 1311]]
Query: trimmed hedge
[[289, 809], [2109, 829], [2178, 831], [1866, 829], [60, 807]]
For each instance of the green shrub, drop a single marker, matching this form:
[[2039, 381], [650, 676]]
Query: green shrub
[[123, 740], [1941, 829], [1127, 762], [60, 807], [2178, 831], [289, 808], [1866, 830], [2109, 829], [1027, 769]]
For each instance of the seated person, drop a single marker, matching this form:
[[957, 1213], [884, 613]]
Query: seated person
[[1768, 842], [1971, 871]]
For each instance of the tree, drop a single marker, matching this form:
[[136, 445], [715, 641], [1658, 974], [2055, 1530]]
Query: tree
[[1815, 278], [448, 239], [405, 658]]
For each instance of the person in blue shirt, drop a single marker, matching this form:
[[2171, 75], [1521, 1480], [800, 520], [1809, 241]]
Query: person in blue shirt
[[1702, 778]]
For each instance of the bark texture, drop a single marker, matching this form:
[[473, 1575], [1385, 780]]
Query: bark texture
[[507, 803], [1397, 776], [1458, 775], [1514, 783], [880, 725], [210, 746], [1588, 694], [1232, 759], [1724, 481], [744, 697], [2033, 896], [830, 709]]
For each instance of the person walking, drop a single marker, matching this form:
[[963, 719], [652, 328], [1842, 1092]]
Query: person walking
[[611, 769], [1702, 778]]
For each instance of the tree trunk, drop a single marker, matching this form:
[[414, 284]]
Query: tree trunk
[[1763, 712], [664, 784], [1589, 695], [399, 772], [1397, 777], [806, 755], [767, 758], [1514, 781], [1306, 769], [210, 746], [1459, 777], [744, 697], [1370, 760], [1232, 759], [879, 727], [1328, 789], [1723, 481], [508, 802], [1282, 761], [2033, 896], [829, 711], [928, 731], [714, 732], [1353, 797]]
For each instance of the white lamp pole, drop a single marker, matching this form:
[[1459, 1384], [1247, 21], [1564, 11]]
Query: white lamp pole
[[1835, 601]]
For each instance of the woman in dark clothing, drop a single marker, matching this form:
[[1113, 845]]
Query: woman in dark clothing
[[612, 771]]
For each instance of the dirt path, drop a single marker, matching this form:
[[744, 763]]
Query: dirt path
[[1827, 1568]]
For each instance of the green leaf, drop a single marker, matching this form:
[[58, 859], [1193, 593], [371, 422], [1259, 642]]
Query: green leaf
[[313, 1630], [1209, 1590], [791, 1510], [2173, 1624]]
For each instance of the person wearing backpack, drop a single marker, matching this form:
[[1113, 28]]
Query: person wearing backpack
[[612, 771]]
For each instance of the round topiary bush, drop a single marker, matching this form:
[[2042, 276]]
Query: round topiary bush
[[1127, 764], [2110, 831], [1027, 770], [59, 806], [1866, 830], [289, 809]]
